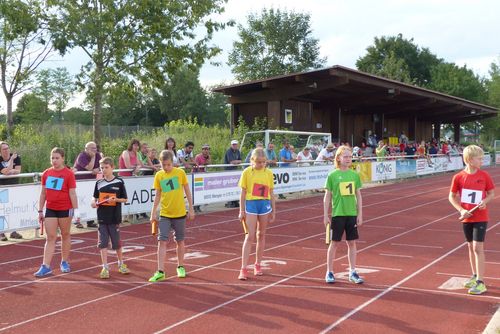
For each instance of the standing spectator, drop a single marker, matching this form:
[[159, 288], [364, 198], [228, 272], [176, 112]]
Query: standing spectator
[[87, 161], [170, 145], [305, 155], [129, 158], [294, 155], [153, 156], [258, 144], [410, 150], [186, 156], [271, 155], [201, 160], [58, 195], [232, 157], [433, 149], [11, 165], [371, 140], [381, 151], [402, 138], [326, 155]]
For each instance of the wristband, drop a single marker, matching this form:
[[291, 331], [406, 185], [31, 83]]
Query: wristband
[[40, 211]]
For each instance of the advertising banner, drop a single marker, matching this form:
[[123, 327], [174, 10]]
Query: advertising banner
[[406, 168], [383, 170]]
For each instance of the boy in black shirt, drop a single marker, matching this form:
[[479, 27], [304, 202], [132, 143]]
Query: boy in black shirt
[[109, 193]]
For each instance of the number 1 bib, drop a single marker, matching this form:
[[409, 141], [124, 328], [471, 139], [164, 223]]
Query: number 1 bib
[[54, 183], [471, 196], [347, 188], [169, 184], [260, 190]]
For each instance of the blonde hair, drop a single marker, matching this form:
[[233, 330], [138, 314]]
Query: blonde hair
[[340, 151], [107, 161], [258, 153], [472, 151]]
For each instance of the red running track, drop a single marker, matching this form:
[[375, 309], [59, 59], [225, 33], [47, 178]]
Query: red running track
[[411, 253]]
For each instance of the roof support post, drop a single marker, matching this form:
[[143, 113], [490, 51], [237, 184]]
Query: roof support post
[[412, 128], [437, 130], [456, 132]]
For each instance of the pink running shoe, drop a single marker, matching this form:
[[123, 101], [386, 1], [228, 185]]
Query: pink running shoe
[[257, 270], [243, 274]]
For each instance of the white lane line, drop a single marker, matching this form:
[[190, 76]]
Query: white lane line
[[390, 227], [281, 235], [491, 251], [215, 230], [466, 275], [420, 246], [286, 259], [209, 251], [396, 255], [316, 249], [372, 267], [392, 287], [492, 262], [443, 230]]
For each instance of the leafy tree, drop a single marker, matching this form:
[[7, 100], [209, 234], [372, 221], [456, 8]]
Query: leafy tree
[[418, 62], [491, 126], [183, 97], [142, 39], [24, 45], [78, 116], [457, 81], [218, 109], [392, 68], [31, 109], [274, 43], [55, 86]]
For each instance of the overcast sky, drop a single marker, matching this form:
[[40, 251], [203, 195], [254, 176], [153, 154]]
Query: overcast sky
[[460, 31]]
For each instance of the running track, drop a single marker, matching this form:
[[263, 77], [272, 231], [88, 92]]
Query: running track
[[411, 244]]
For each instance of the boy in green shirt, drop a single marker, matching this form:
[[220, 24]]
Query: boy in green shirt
[[343, 192]]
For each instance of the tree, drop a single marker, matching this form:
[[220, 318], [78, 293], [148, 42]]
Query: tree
[[417, 61], [457, 81], [218, 109], [31, 109], [491, 126], [24, 45], [144, 40], [393, 68], [55, 87], [276, 42], [78, 116]]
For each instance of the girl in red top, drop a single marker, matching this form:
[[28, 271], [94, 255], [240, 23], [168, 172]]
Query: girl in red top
[[59, 195], [470, 188]]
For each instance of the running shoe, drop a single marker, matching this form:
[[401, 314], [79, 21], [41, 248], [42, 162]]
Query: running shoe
[[243, 274], [478, 289], [123, 269], [181, 272], [65, 268], [470, 282], [354, 278], [43, 271], [157, 277], [329, 278], [257, 270], [104, 273]]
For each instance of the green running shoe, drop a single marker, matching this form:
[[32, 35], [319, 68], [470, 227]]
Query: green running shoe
[[157, 277], [478, 289], [470, 282], [104, 273], [181, 272]]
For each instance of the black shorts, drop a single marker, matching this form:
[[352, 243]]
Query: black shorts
[[347, 224], [106, 232], [475, 231], [49, 213]]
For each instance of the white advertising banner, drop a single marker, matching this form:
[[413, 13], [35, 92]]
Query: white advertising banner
[[383, 170], [223, 186], [487, 160], [438, 165]]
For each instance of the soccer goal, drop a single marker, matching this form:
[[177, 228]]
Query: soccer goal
[[299, 139]]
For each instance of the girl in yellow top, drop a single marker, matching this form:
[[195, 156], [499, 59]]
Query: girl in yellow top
[[257, 208]]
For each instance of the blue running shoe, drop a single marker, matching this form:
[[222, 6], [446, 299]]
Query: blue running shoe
[[65, 267], [354, 278], [43, 271], [329, 278]]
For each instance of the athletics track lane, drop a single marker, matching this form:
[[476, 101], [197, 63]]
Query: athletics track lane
[[410, 245]]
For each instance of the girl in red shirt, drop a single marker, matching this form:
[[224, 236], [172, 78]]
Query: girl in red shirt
[[59, 196]]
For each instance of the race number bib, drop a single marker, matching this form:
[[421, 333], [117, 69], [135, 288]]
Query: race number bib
[[260, 190], [54, 183], [347, 188], [169, 184], [471, 196]]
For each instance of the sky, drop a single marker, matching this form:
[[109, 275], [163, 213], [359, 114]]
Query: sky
[[459, 31]]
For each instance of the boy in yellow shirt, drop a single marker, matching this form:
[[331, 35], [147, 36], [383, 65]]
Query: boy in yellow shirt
[[170, 185]]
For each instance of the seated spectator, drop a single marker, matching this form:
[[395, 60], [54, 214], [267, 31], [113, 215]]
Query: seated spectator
[[294, 156], [87, 161], [258, 144], [129, 159], [170, 145], [433, 149], [186, 156], [286, 155], [271, 155], [327, 155], [10, 165], [202, 159], [153, 156], [410, 150], [305, 155], [143, 156]]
